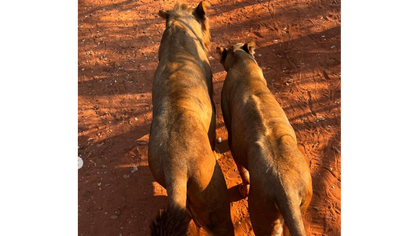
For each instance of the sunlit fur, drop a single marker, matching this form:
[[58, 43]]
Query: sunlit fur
[[182, 134], [262, 141]]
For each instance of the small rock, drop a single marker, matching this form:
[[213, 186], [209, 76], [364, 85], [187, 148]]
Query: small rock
[[336, 149], [142, 142], [219, 140], [134, 169], [114, 217], [80, 163], [126, 176], [99, 184], [320, 118]]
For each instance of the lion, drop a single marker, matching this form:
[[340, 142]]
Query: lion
[[263, 142], [182, 133]]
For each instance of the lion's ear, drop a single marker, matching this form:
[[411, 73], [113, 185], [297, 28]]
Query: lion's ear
[[201, 9], [222, 53], [249, 47], [164, 14]]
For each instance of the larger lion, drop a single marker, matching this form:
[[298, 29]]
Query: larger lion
[[183, 128]]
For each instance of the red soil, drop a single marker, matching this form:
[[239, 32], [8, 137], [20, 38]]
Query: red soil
[[298, 48]]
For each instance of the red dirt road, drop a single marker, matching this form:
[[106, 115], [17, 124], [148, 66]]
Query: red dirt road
[[298, 48]]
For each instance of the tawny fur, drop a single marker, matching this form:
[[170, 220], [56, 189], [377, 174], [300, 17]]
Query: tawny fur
[[182, 133], [263, 141]]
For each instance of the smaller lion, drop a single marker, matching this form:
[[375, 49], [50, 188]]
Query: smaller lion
[[263, 142]]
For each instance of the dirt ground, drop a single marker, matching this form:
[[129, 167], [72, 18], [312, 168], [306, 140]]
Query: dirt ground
[[298, 48]]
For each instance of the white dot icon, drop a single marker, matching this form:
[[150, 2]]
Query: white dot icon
[[79, 163]]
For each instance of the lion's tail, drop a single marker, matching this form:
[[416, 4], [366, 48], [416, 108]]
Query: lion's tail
[[293, 219], [173, 221]]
